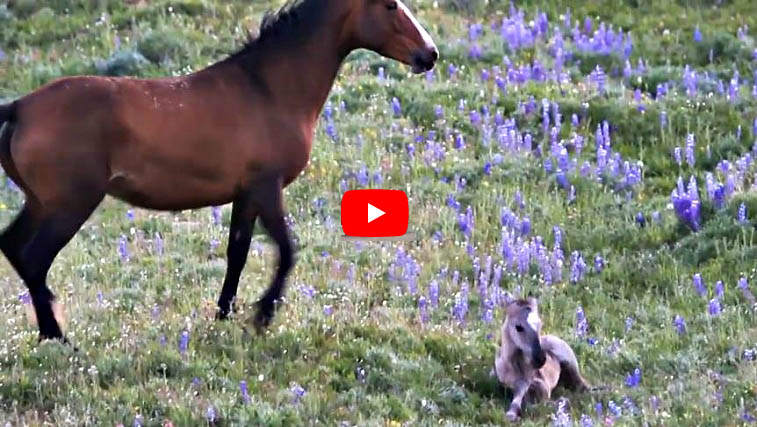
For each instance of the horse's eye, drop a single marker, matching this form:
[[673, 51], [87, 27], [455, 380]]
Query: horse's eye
[[519, 328], [392, 5]]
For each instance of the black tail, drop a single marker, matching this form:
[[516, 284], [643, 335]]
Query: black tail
[[6, 113], [7, 118]]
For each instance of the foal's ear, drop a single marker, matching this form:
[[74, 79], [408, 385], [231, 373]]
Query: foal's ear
[[532, 301]]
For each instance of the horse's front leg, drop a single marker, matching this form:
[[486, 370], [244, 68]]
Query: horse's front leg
[[269, 204], [243, 217], [519, 391]]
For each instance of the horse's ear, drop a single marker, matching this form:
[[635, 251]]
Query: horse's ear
[[532, 301]]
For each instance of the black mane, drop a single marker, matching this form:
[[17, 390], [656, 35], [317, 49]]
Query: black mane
[[292, 23]]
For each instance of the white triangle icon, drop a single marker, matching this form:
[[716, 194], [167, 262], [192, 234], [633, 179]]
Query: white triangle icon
[[374, 212]]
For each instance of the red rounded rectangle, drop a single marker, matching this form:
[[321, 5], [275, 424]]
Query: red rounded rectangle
[[375, 213]]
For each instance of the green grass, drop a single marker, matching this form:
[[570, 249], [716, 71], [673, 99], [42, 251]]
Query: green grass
[[372, 361]]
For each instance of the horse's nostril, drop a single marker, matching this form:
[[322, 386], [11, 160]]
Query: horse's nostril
[[434, 54]]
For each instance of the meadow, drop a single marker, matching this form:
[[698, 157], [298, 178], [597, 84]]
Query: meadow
[[599, 154]]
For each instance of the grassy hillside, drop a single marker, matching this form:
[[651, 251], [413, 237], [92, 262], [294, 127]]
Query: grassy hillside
[[632, 217]]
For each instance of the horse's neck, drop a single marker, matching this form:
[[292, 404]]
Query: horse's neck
[[301, 77]]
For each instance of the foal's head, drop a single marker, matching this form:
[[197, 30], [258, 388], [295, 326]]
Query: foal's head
[[388, 28], [523, 327]]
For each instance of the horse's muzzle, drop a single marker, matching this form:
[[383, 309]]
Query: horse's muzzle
[[425, 59], [539, 359]]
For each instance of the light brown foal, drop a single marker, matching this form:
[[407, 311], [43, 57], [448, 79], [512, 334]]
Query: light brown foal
[[532, 365], [238, 131]]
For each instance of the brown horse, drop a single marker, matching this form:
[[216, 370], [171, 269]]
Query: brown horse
[[238, 131]]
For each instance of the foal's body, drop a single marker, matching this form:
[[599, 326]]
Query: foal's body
[[532, 365], [238, 131]]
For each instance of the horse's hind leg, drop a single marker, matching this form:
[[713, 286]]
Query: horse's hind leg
[[55, 230], [242, 223], [16, 236], [268, 201]]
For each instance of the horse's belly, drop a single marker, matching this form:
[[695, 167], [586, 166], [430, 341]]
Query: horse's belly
[[170, 193]]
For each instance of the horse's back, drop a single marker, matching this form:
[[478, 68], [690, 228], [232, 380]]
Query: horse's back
[[570, 376]]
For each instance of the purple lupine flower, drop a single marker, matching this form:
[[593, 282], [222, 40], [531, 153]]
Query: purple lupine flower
[[677, 155], [518, 198], [130, 214], [614, 409], [744, 286], [453, 203], [742, 214], [680, 324], [630, 405], [698, 283], [599, 263], [137, 421], [525, 226], [686, 207], [714, 308], [599, 409], [433, 293], [328, 310], [586, 421], [574, 121], [656, 217], [634, 379], [465, 221], [331, 131], [697, 35], [629, 323], [582, 325], [423, 309], [719, 289], [460, 309], [244, 392], [123, 251], [183, 341], [561, 418], [214, 244], [459, 142], [640, 219], [216, 214], [297, 393], [578, 267], [25, 298], [599, 79], [663, 119]]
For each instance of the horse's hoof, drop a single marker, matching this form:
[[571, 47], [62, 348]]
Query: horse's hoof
[[61, 339], [513, 415], [263, 316], [221, 315]]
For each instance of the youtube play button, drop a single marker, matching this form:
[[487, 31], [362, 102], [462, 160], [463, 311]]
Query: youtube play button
[[374, 213]]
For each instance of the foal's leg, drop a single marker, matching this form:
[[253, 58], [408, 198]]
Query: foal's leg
[[519, 391], [242, 223], [268, 197]]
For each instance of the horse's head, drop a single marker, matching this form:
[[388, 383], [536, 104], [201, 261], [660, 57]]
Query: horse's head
[[388, 28], [523, 327]]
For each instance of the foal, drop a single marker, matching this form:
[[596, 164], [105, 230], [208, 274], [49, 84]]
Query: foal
[[533, 365], [238, 131]]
